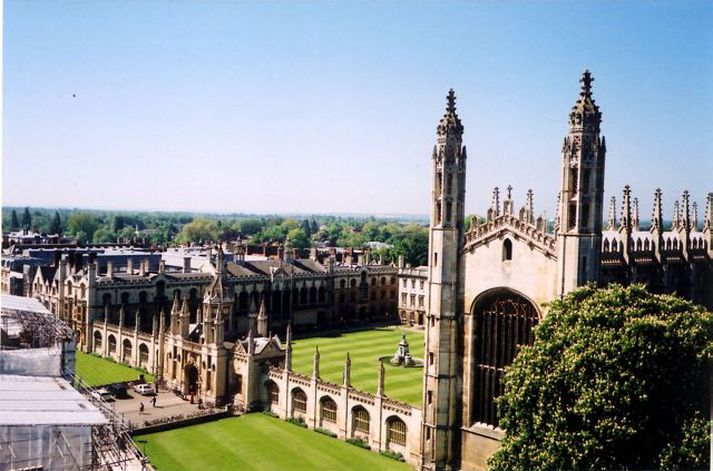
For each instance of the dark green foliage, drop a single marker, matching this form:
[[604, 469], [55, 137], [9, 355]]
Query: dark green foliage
[[306, 228], [14, 224], [394, 455], [613, 381], [56, 226], [358, 442], [300, 422], [271, 414], [26, 219], [326, 432]]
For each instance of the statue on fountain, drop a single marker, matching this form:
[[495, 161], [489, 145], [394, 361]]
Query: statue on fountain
[[402, 357]]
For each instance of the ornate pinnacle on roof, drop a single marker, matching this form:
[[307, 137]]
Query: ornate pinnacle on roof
[[586, 82], [686, 211], [694, 219], [626, 208], [450, 122], [635, 217], [657, 216], [708, 217], [611, 223]]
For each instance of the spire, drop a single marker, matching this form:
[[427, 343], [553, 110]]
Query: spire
[[635, 216], [611, 223], [262, 319], [494, 210], [585, 115], [694, 219], [626, 208], [122, 315], [450, 122], [708, 217], [529, 207], [348, 372], [508, 203], [380, 386], [657, 216], [154, 325], [176, 304], [686, 212], [106, 313], [288, 352], [676, 215], [251, 343], [315, 363]]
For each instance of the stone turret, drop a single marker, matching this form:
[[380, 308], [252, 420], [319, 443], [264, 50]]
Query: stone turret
[[315, 363], [579, 235], [380, 380], [347, 376], [611, 222], [288, 350]]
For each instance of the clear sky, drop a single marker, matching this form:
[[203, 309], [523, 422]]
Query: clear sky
[[332, 107]]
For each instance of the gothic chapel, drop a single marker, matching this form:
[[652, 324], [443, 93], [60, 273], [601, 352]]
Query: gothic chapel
[[487, 286]]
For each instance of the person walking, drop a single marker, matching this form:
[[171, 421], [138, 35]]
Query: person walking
[[153, 401], [141, 407]]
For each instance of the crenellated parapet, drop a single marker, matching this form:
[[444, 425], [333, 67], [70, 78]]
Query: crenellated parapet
[[521, 224]]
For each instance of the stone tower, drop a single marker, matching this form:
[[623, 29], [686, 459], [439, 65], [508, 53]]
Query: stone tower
[[442, 367], [579, 231]]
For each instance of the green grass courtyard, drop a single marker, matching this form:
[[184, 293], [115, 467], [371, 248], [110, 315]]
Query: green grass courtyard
[[404, 384], [256, 442], [97, 371]]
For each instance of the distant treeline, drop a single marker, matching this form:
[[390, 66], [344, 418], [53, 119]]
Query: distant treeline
[[408, 236]]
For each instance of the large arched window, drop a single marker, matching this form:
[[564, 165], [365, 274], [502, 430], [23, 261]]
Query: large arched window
[[112, 344], [360, 420], [299, 401], [328, 410], [395, 431], [143, 355], [97, 341], [503, 320], [273, 392], [126, 350]]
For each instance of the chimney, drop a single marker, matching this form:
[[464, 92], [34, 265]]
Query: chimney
[[187, 264], [161, 266], [110, 269], [129, 266]]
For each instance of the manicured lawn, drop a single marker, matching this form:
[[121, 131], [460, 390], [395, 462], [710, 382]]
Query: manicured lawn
[[404, 384], [259, 442], [99, 371]]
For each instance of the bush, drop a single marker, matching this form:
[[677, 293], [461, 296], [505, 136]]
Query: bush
[[269, 413], [300, 422], [358, 442], [326, 432], [394, 455], [612, 381]]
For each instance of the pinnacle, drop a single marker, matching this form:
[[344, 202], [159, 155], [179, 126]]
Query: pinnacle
[[586, 82], [451, 106]]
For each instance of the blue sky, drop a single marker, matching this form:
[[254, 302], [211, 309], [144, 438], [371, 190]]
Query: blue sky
[[332, 107]]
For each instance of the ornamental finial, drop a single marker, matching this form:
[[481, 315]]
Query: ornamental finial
[[586, 82]]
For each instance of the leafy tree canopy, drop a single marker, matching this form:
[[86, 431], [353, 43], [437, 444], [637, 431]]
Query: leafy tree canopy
[[84, 223], [613, 381]]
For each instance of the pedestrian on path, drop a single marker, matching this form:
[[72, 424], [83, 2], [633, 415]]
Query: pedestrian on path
[[141, 407], [153, 401]]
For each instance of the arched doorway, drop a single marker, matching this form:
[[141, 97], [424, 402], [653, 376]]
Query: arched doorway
[[502, 322], [191, 379]]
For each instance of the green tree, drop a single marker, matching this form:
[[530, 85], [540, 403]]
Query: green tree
[[26, 219], [612, 381], [56, 226], [413, 245], [14, 223], [85, 223], [250, 226], [198, 230], [104, 235], [298, 238], [118, 223], [306, 229]]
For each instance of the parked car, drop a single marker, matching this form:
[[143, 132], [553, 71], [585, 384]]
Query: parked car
[[118, 389], [144, 389], [102, 394]]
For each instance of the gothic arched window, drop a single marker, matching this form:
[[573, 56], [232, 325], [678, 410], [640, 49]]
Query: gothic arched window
[[503, 321], [507, 250]]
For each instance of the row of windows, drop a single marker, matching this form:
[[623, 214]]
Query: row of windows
[[412, 298], [404, 283]]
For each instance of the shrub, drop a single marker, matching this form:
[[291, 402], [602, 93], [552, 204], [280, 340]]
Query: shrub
[[269, 413], [300, 422], [326, 432], [394, 455], [359, 442]]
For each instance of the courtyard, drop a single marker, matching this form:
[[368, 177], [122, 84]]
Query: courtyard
[[365, 348], [256, 442]]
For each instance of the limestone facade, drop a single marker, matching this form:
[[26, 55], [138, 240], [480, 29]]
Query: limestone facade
[[488, 286]]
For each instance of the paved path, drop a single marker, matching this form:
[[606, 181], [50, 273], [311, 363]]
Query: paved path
[[167, 404]]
